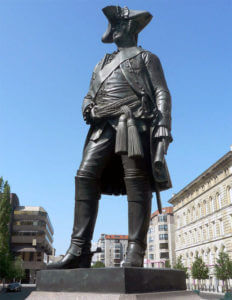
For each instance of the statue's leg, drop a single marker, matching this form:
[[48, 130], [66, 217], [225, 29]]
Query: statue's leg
[[139, 196], [139, 211], [87, 195]]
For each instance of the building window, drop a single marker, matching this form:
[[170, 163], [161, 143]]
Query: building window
[[162, 218], [184, 219], [163, 236], [195, 235], [188, 217], [214, 229], [164, 255], [151, 256], [207, 231], [201, 233], [163, 245], [204, 208], [151, 248], [199, 210], [211, 204], [219, 200], [31, 256], [28, 233], [39, 256], [221, 227], [193, 213], [163, 227], [229, 194]]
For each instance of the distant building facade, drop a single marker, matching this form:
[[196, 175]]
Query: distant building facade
[[31, 237], [203, 216], [113, 249], [160, 239]]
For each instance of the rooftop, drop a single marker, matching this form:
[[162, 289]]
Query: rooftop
[[165, 210], [30, 208], [116, 237]]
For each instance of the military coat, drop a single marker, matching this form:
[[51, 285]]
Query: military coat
[[144, 74]]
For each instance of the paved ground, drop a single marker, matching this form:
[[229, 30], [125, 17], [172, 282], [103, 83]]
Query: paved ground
[[27, 290], [204, 295], [18, 295]]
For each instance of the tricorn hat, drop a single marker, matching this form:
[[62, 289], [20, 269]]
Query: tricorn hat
[[116, 13]]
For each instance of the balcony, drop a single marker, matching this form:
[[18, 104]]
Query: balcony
[[117, 256]]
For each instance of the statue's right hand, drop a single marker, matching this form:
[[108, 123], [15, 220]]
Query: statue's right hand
[[90, 115], [93, 116], [87, 114]]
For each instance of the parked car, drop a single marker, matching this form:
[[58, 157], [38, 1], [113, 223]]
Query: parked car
[[14, 287]]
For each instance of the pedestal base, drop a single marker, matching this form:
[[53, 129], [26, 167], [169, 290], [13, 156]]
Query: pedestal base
[[111, 280]]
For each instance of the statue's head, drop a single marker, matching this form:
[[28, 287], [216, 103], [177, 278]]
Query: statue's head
[[124, 23]]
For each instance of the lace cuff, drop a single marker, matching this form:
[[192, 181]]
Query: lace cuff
[[163, 132]]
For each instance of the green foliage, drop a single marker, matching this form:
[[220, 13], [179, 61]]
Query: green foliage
[[10, 267], [16, 270], [167, 264], [223, 267], [98, 264], [199, 269], [5, 213], [5, 265], [180, 266]]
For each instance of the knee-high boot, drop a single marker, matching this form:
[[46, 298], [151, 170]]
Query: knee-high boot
[[139, 210], [87, 195]]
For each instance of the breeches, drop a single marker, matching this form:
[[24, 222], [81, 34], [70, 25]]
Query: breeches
[[97, 155]]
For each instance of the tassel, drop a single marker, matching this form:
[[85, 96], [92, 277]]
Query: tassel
[[135, 148], [121, 136]]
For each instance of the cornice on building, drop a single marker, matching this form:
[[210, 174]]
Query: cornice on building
[[199, 181]]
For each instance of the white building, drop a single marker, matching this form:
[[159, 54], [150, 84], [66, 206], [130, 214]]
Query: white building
[[113, 249], [203, 216], [161, 239]]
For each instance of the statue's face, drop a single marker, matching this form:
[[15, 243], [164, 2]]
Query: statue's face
[[120, 32]]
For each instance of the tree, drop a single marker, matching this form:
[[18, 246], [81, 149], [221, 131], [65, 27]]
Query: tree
[[199, 269], [16, 271], [5, 213], [167, 264], [98, 264], [223, 268], [180, 266]]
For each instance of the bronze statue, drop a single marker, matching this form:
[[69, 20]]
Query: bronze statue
[[128, 107]]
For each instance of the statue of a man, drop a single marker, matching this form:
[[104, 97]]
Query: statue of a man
[[128, 106]]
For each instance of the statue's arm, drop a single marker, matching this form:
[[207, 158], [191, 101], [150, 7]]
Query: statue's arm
[[161, 94], [88, 102]]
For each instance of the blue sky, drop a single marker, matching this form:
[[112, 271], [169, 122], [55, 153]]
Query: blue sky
[[48, 51]]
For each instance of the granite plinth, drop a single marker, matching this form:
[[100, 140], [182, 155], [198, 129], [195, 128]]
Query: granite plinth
[[111, 280]]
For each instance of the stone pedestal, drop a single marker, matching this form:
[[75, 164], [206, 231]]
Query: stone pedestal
[[111, 280]]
